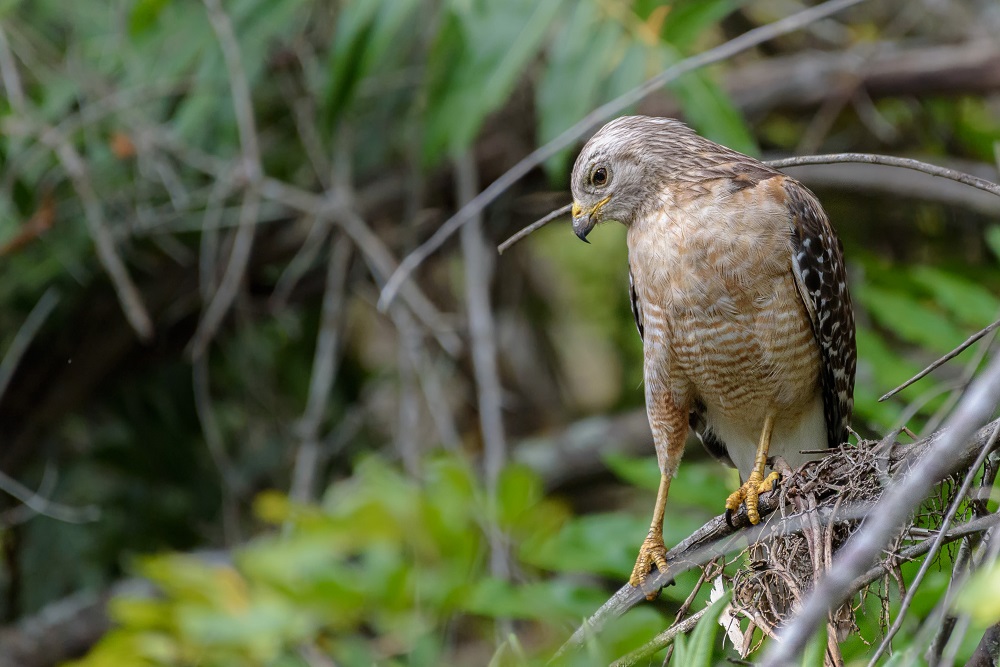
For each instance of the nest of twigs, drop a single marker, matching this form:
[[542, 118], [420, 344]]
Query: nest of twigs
[[831, 495]]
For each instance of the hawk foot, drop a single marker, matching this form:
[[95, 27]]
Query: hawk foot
[[748, 493], [652, 553]]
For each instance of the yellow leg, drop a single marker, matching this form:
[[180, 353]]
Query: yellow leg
[[653, 551], [756, 483]]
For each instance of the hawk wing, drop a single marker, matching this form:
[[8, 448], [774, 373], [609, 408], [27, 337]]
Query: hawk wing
[[818, 267], [696, 419]]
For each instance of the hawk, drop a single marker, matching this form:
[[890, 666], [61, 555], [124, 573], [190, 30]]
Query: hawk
[[739, 293]]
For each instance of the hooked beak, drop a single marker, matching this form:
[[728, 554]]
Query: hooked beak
[[584, 221]]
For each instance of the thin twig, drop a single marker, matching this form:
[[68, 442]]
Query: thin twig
[[482, 334], [335, 206], [892, 161], [128, 294], [252, 170], [895, 506], [945, 524], [533, 227], [968, 373], [216, 447], [726, 50], [41, 505], [22, 339], [324, 368], [660, 641], [943, 360], [9, 76]]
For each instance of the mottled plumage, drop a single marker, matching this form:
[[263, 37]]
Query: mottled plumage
[[738, 290]]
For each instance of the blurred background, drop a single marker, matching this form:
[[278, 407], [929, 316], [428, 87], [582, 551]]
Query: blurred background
[[199, 205]]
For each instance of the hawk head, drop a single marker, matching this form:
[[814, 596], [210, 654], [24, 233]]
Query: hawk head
[[623, 167]]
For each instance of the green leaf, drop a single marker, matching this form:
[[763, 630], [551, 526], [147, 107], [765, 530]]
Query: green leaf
[[815, 653], [687, 19], [980, 597], [910, 319], [993, 240], [643, 473], [518, 490], [366, 31], [709, 110], [478, 56], [582, 54], [698, 653], [144, 15], [970, 302]]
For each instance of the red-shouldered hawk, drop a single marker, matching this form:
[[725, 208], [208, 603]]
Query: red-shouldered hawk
[[739, 293]]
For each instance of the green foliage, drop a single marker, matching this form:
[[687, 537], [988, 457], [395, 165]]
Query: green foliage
[[698, 650], [382, 552]]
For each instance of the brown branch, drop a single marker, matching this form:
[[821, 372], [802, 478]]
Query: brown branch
[[892, 161], [943, 360], [253, 171]]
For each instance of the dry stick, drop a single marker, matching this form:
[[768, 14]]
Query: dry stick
[[253, 171], [945, 523], [969, 372], [324, 369], [12, 357], [22, 339], [726, 50], [8, 74], [536, 225], [891, 161], [128, 294], [42, 505], [216, 447], [479, 265], [660, 641], [943, 360], [896, 505]]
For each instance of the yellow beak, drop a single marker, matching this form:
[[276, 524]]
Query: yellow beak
[[584, 220]]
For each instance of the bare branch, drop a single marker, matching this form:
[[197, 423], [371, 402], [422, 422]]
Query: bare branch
[[324, 368], [535, 226], [892, 161], [727, 50], [252, 170], [128, 294], [660, 641], [478, 273], [22, 339], [943, 360], [896, 505]]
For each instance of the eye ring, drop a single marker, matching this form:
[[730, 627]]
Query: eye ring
[[599, 177]]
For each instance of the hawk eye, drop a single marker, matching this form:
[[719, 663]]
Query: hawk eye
[[599, 177]]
